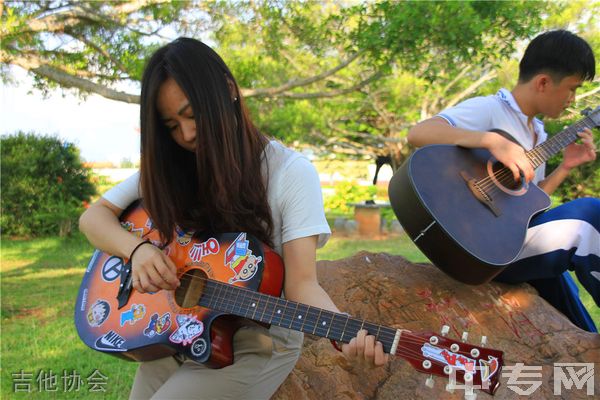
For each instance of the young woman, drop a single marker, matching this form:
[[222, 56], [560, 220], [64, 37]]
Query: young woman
[[205, 167]]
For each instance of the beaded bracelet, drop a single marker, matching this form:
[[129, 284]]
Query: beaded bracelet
[[137, 247]]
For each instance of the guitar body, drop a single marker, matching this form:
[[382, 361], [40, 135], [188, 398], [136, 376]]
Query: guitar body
[[112, 317], [469, 240]]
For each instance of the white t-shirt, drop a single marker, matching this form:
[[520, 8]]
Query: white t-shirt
[[294, 195], [499, 111]]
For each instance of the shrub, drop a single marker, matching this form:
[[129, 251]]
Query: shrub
[[583, 181], [44, 185], [346, 193]]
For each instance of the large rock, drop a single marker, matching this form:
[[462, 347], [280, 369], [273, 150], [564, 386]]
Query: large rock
[[391, 291]]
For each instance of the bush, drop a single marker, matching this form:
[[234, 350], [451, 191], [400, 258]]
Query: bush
[[583, 181], [44, 185], [346, 193]]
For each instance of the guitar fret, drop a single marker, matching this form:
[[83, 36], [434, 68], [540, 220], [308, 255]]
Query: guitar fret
[[235, 303], [229, 294], [329, 327], [322, 326], [266, 303], [344, 328], [277, 310], [297, 317], [312, 317], [253, 305], [317, 321]]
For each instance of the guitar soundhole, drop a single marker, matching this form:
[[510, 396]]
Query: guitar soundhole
[[504, 177], [188, 294]]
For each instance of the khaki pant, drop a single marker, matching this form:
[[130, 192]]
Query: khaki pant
[[262, 360]]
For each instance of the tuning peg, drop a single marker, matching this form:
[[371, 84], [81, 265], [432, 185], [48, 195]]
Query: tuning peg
[[470, 396], [450, 386], [445, 330], [483, 341], [465, 335], [429, 382]]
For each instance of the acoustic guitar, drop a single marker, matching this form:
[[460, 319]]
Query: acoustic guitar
[[464, 210], [228, 279]]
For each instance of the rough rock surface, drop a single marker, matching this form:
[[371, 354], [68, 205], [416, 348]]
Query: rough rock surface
[[389, 290]]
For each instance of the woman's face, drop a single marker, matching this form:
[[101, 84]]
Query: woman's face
[[176, 114]]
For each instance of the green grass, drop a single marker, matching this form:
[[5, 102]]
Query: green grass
[[39, 283], [40, 280], [341, 247]]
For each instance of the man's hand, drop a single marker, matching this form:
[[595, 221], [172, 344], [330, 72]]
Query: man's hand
[[576, 154], [511, 155]]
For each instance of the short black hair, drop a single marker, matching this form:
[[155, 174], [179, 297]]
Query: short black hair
[[558, 53]]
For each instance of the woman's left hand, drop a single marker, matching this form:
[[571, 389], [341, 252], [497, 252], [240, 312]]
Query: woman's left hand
[[365, 351]]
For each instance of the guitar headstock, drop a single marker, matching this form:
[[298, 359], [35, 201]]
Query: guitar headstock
[[465, 365], [593, 115]]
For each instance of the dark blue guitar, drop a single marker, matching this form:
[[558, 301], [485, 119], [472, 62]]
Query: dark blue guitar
[[464, 210]]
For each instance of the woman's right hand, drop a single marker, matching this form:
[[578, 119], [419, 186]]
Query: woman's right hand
[[153, 270]]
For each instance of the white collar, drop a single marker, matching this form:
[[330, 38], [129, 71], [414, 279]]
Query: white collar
[[507, 97]]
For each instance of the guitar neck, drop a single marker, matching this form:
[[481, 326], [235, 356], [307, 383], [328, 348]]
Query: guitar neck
[[292, 315], [540, 154]]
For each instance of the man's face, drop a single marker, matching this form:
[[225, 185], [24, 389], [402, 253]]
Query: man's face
[[557, 96]]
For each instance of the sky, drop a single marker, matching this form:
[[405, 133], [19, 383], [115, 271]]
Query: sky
[[104, 130]]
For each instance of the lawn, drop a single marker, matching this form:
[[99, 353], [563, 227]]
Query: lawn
[[42, 355]]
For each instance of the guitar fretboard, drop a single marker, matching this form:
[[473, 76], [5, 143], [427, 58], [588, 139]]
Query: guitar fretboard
[[272, 310], [550, 147]]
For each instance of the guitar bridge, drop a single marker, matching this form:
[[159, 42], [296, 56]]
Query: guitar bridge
[[480, 194]]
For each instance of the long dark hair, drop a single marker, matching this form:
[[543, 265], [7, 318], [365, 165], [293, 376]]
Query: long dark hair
[[220, 187]]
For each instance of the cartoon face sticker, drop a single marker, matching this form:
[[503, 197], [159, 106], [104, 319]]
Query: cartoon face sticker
[[188, 329], [98, 313], [183, 237], [244, 268], [158, 325], [134, 314], [240, 259], [130, 227]]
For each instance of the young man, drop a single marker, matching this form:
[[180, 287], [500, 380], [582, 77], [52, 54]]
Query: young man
[[567, 237]]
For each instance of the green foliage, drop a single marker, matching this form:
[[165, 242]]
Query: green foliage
[[347, 192], [584, 181], [44, 185]]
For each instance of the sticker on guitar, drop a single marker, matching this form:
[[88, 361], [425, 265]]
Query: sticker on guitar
[[461, 362], [240, 259]]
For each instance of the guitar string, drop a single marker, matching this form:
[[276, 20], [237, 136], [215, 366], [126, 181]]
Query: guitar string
[[403, 349], [251, 295], [389, 336], [234, 303], [505, 172]]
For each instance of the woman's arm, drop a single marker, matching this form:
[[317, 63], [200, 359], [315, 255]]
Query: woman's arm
[[151, 269], [301, 285]]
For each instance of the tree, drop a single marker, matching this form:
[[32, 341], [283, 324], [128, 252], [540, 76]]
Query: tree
[[348, 78], [313, 49]]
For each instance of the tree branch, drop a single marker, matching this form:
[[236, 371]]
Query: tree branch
[[297, 82], [471, 88], [332, 93], [66, 80]]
